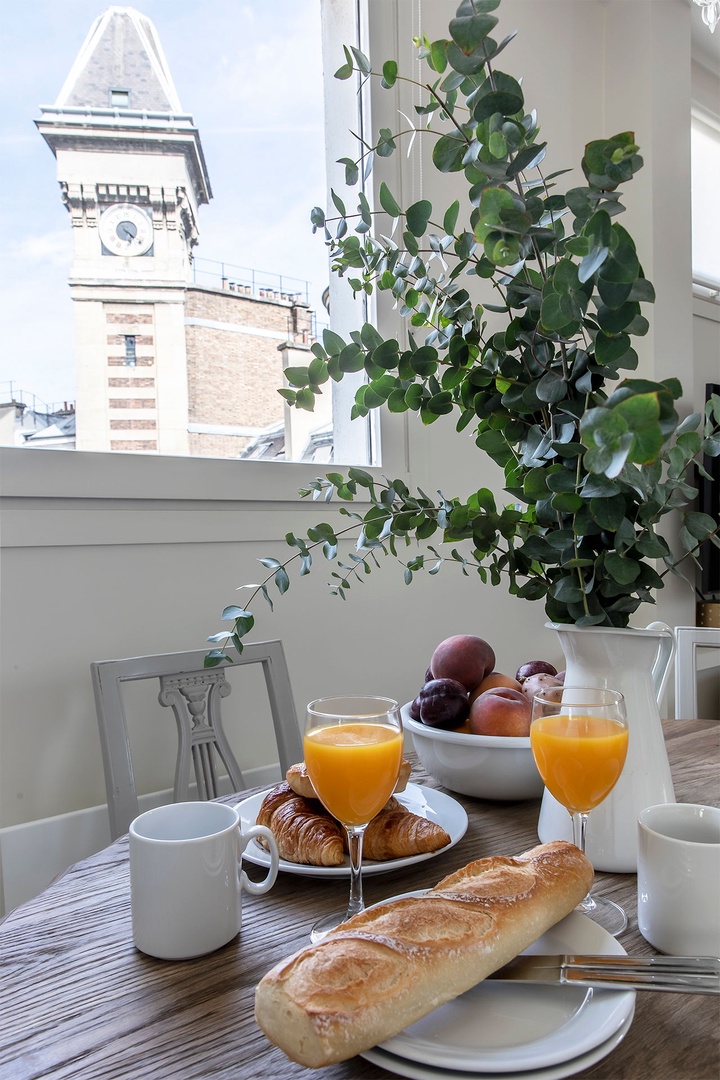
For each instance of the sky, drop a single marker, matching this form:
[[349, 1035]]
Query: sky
[[248, 71]]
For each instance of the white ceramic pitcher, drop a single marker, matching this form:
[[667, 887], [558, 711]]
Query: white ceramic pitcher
[[637, 663]]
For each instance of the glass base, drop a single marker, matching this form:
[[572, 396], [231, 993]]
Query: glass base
[[605, 913], [323, 926]]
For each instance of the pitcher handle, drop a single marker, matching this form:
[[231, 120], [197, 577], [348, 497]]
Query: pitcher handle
[[665, 653]]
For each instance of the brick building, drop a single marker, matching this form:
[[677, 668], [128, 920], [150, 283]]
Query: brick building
[[163, 364]]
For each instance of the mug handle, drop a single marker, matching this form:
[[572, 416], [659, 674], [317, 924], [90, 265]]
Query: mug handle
[[258, 887]]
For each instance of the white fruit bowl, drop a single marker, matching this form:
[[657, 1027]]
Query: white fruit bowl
[[485, 766]]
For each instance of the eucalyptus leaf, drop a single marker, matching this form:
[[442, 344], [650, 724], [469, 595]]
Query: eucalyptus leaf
[[592, 263], [438, 56], [451, 216], [469, 31], [389, 71], [624, 571], [345, 72], [498, 101], [388, 202], [448, 153]]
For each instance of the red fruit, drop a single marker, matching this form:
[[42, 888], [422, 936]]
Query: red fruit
[[463, 657], [443, 703], [492, 681], [501, 711], [534, 667]]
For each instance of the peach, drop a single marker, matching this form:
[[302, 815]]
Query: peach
[[501, 711], [495, 678], [463, 657]]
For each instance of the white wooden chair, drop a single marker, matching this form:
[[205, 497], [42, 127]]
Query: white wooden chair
[[689, 639], [194, 693]]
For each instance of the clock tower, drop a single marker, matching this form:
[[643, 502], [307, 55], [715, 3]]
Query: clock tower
[[132, 176]]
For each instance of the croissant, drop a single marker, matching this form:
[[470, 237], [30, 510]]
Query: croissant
[[396, 833], [298, 779], [303, 829], [306, 833]]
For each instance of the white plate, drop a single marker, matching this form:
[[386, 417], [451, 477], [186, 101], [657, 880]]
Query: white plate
[[415, 1071], [502, 1027], [424, 801]]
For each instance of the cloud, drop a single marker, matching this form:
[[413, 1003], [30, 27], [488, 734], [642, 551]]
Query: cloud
[[51, 249]]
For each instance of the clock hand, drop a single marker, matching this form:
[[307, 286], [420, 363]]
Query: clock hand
[[126, 230]]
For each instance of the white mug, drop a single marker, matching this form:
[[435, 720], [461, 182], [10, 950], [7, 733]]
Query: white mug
[[186, 879], [678, 878]]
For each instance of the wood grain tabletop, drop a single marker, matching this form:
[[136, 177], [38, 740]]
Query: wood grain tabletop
[[78, 1000]]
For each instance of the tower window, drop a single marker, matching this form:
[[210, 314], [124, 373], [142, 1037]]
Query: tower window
[[130, 353], [119, 99]]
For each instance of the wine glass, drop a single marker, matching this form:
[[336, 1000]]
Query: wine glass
[[353, 749], [579, 739]]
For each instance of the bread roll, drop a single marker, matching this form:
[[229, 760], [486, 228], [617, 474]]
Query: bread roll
[[387, 967], [298, 779]]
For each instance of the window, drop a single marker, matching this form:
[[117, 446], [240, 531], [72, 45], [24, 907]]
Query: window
[[119, 99], [705, 147], [245, 91]]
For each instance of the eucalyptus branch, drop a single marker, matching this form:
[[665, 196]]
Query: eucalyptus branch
[[593, 456], [448, 112], [691, 553]]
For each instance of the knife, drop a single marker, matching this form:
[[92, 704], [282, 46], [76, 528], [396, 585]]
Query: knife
[[680, 974]]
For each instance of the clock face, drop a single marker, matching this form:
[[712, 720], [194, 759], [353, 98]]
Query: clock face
[[126, 230]]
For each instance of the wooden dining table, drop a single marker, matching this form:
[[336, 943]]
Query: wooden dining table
[[78, 1000]]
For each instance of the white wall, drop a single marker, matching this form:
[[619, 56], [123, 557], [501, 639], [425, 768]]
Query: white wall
[[108, 556]]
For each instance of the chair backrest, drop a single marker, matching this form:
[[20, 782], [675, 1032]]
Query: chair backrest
[[689, 639], [194, 693]]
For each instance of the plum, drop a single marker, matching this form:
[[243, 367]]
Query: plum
[[443, 703], [534, 667]]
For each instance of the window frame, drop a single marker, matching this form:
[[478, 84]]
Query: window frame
[[705, 289], [84, 475]]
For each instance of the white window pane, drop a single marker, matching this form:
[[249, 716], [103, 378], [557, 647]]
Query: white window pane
[[209, 291], [705, 204]]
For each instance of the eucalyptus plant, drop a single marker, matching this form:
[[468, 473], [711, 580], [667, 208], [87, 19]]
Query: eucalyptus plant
[[592, 461]]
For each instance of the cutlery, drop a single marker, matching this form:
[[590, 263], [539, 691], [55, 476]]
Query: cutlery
[[680, 974]]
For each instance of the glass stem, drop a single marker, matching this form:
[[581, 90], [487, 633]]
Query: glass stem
[[579, 827], [355, 841]]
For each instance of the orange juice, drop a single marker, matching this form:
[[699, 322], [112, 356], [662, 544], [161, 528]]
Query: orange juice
[[579, 757], [354, 767]]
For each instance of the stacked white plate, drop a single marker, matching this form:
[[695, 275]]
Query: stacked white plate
[[500, 1030]]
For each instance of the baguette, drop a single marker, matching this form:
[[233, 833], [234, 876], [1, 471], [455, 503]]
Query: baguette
[[390, 965]]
